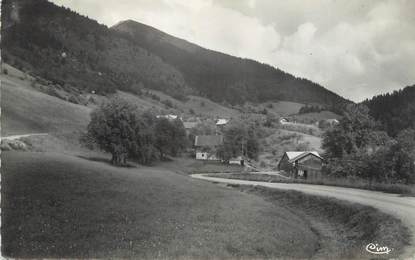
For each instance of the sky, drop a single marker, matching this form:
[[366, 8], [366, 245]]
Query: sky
[[356, 48]]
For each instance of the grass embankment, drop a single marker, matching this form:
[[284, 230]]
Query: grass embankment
[[344, 228], [25, 110], [62, 206], [403, 189], [188, 165]]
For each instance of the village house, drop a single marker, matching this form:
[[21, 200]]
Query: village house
[[169, 117], [284, 120], [220, 124], [206, 147], [332, 121], [304, 164]]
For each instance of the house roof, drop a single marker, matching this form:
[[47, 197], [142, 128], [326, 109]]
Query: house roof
[[332, 120], [208, 140], [189, 125], [222, 121], [170, 116], [294, 156]]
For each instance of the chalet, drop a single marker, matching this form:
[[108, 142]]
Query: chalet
[[332, 121], [220, 125], [284, 120], [305, 164], [221, 122], [206, 146], [169, 117]]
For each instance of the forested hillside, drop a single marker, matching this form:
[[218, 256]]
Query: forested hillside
[[220, 76], [69, 49], [396, 111]]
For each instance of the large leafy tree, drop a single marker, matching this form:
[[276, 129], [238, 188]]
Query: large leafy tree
[[114, 127], [119, 128], [170, 137], [404, 155], [357, 130], [240, 138]]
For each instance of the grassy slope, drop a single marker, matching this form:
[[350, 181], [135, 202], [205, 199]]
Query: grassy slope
[[283, 108], [283, 140], [208, 109], [25, 110], [345, 228], [310, 118], [313, 141], [56, 205]]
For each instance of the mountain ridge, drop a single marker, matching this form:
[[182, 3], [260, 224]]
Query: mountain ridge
[[158, 42], [70, 49]]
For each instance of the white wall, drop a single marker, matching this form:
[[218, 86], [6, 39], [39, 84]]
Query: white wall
[[205, 156]]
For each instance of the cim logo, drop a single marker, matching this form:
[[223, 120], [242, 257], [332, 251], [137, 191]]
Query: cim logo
[[377, 250]]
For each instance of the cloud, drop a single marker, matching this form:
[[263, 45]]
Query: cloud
[[355, 48]]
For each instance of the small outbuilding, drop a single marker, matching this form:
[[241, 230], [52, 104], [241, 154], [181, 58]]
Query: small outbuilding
[[239, 160], [301, 164]]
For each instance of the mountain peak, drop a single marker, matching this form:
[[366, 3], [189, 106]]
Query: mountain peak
[[131, 56]]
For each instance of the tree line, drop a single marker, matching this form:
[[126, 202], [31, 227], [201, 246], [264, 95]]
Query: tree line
[[121, 129], [358, 147], [396, 111]]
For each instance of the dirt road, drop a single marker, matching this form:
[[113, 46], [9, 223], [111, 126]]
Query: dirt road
[[15, 137], [394, 204]]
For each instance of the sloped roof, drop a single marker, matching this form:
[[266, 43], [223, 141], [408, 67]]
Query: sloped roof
[[294, 156], [170, 116], [208, 140], [222, 121]]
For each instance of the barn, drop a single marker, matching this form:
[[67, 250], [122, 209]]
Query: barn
[[301, 164]]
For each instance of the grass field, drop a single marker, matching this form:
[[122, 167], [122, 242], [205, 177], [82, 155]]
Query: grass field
[[344, 228], [310, 118], [281, 141], [25, 110], [281, 108], [61, 206]]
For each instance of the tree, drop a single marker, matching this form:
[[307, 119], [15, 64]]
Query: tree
[[170, 137], [404, 156], [356, 147], [240, 139], [113, 128], [354, 132]]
